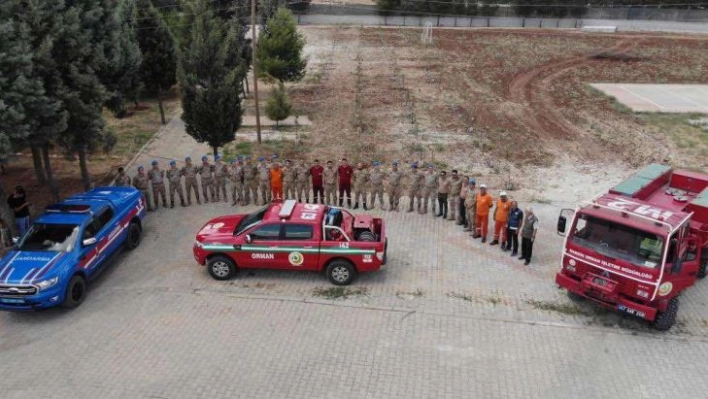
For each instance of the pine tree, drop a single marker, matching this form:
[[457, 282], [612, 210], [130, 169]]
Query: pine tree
[[280, 49], [158, 71], [210, 72], [22, 96], [121, 73], [279, 106]]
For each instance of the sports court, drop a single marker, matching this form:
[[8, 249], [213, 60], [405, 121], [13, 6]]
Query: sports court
[[670, 98]]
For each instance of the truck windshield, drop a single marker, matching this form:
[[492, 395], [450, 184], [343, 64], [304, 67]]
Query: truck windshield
[[50, 237], [250, 220], [618, 241]]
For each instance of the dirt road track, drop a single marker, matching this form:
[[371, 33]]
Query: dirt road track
[[531, 89]]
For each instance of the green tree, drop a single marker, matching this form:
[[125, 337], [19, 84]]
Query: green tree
[[157, 45], [210, 72], [22, 96], [279, 106], [280, 49], [388, 5], [524, 8], [121, 73]]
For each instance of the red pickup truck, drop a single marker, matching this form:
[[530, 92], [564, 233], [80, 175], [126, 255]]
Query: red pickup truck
[[293, 236]]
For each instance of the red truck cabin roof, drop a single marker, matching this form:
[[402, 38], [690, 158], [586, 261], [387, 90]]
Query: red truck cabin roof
[[293, 211], [675, 192], [637, 213]]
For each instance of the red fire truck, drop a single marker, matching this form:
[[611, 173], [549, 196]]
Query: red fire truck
[[293, 236], [636, 248]]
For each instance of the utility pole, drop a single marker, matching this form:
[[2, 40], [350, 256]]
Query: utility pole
[[254, 62]]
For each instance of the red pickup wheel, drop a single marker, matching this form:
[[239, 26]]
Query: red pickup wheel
[[341, 272], [221, 267]]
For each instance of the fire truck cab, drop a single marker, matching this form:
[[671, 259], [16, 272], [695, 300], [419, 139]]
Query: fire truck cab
[[636, 248]]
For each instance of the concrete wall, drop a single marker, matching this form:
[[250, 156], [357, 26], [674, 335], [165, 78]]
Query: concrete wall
[[650, 14], [502, 22]]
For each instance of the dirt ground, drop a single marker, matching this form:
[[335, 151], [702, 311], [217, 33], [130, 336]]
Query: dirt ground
[[132, 132], [511, 106]]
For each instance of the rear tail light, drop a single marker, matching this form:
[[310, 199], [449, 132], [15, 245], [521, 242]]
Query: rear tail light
[[380, 255]]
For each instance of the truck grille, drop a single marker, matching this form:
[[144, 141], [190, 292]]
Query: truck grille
[[626, 286], [17, 290]]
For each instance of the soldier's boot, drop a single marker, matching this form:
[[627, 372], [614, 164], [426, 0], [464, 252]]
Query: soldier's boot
[[172, 204], [410, 205], [349, 202], [425, 208], [365, 208], [356, 205], [341, 201]]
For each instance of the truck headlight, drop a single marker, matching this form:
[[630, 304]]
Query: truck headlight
[[570, 268], [198, 244], [43, 285]]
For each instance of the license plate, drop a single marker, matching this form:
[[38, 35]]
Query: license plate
[[11, 300], [633, 312], [600, 281]]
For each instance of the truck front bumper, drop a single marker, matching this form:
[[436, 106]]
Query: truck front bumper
[[615, 302]]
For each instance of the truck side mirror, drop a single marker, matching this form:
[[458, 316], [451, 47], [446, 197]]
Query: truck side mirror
[[563, 221], [15, 240], [561, 224], [248, 239], [89, 241]]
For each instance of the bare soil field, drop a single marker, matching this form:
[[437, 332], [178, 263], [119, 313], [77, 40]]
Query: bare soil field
[[513, 106]]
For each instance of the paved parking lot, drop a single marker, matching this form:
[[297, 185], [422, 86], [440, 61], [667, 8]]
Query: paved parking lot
[[447, 317], [672, 98]]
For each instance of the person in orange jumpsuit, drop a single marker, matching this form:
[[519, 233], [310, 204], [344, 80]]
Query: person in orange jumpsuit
[[501, 215], [276, 182], [484, 204]]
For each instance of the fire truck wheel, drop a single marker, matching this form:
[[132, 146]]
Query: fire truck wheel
[[575, 297], [702, 269], [221, 268], [134, 233], [341, 272], [75, 292], [665, 320]]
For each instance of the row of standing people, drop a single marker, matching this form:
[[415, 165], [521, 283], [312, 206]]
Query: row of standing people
[[456, 196]]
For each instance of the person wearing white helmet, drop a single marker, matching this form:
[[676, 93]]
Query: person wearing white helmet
[[501, 215], [485, 202]]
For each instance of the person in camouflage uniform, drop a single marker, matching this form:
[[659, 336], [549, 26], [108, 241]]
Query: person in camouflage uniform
[[157, 178], [430, 190], [206, 171], [302, 182], [263, 180], [141, 181], [236, 177], [189, 171], [377, 188], [415, 186], [454, 198], [221, 172], [471, 206], [361, 181], [122, 180], [289, 174], [330, 183], [174, 177], [250, 184], [394, 178]]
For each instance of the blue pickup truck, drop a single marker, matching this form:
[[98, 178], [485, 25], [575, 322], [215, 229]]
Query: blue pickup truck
[[67, 246]]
